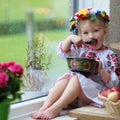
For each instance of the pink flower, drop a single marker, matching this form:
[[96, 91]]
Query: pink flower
[[16, 69], [10, 80], [3, 79], [5, 65]]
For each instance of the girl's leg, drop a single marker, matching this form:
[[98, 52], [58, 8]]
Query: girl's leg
[[53, 95], [71, 92]]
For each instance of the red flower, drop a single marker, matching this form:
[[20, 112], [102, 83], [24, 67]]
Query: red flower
[[16, 69], [10, 81], [5, 65], [3, 79], [107, 17]]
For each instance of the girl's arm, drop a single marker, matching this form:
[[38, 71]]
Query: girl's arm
[[72, 39], [103, 73]]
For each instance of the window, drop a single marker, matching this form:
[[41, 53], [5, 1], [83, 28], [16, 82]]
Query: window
[[43, 15], [24, 21]]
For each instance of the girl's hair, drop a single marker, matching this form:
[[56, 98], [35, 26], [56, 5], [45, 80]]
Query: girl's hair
[[88, 14]]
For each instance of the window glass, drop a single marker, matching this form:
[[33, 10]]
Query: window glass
[[45, 22]]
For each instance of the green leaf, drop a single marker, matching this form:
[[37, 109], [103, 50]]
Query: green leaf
[[93, 18]]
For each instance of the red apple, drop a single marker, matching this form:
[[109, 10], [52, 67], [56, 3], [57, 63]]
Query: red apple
[[106, 92], [115, 89], [114, 96]]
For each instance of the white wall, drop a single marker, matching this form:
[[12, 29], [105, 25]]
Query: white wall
[[85, 4], [101, 4], [97, 4]]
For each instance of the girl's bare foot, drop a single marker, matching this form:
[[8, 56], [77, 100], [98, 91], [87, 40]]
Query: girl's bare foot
[[39, 112], [50, 113]]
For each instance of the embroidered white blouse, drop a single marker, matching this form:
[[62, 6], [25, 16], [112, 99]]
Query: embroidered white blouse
[[91, 86]]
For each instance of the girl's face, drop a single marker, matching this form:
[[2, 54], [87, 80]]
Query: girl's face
[[92, 30]]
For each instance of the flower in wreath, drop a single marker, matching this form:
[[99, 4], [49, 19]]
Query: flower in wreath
[[10, 81], [82, 14]]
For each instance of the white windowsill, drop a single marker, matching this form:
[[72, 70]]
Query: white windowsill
[[23, 110]]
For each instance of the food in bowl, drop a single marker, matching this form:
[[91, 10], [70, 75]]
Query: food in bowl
[[84, 66]]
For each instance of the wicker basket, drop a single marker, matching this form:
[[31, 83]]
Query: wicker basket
[[112, 107]]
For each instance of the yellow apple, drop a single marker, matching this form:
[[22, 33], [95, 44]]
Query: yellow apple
[[114, 96]]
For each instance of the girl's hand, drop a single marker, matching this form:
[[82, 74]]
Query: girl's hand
[[99, 66], [103, 73], [72, 39], [75, 39]]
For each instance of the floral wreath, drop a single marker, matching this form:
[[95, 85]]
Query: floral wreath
[[87, 13]]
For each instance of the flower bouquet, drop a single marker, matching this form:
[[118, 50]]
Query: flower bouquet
[[10, 85], [10, 81]]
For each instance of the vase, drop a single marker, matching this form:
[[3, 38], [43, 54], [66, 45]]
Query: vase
[[36, 79], [4, 110]]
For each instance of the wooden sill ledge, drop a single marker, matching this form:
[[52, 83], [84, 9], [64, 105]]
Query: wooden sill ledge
[[93, 113]]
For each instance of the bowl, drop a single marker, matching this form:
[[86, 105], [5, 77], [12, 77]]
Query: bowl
[[84, 66]]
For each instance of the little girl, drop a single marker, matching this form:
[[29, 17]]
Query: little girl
[[91, 28]]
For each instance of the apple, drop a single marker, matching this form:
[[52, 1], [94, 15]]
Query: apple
[[115, 89], [106, 92], [114, 96]]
